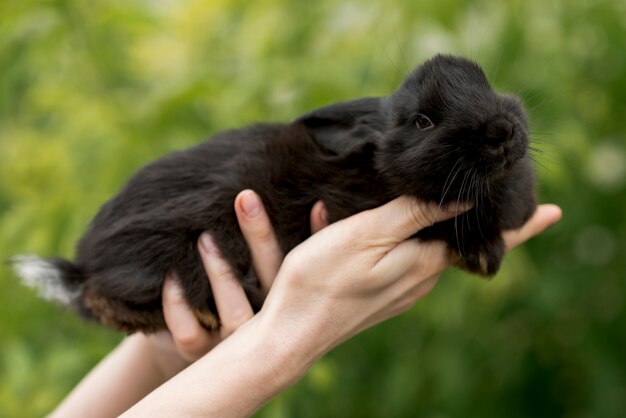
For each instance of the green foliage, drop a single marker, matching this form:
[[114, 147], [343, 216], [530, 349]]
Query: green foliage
[[90, 91]]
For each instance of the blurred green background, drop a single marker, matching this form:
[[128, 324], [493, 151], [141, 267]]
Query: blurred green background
[[92, 90]]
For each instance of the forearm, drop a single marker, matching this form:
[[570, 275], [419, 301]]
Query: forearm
[[125, 376], [236, 378]]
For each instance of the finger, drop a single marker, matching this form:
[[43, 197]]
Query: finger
[[190, 338], [319, 217], [233, 306], [418, 258], [544, 216], [404, 216], [424, 288], [409, 297], [402, 304], [259, 235]]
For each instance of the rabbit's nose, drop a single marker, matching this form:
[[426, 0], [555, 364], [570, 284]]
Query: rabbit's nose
[[498, 130]]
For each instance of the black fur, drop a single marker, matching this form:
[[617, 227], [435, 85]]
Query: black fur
[[354, 156]]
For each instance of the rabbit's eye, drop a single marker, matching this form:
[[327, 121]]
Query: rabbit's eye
[[423, 122]]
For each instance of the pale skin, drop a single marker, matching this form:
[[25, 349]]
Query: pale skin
[[344, 279]]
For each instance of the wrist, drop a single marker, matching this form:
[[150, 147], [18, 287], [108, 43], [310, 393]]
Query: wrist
[[297, 333], [286, 355], [259, 359]]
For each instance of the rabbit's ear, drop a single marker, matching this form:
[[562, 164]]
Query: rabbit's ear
[[340, 127]]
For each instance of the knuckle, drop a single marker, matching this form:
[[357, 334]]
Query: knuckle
[[436, 254], [220, 271], [174, 298], [190, 339], [418, 213], [263, 234]]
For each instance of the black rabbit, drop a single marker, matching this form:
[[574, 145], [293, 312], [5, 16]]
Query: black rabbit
[[444, 136]]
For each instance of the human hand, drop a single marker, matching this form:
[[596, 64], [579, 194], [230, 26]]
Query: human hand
[[186, 340], [363, 270]]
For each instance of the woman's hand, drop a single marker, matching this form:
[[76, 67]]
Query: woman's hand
[[363, 270], [187, 340]]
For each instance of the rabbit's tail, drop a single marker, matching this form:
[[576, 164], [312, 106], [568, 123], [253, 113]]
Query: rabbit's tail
[[55, 279]]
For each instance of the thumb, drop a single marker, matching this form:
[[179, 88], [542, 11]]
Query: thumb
[[405, 216]]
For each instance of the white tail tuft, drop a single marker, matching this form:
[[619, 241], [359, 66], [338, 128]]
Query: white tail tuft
[[45, 277]]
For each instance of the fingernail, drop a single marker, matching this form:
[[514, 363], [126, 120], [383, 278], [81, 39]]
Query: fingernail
[[250, 204], [207, 243]]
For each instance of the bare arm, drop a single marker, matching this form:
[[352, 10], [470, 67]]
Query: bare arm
[[141, 363]]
